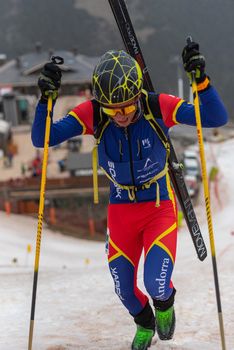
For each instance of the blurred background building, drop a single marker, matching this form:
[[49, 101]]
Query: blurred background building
[[80, 31]]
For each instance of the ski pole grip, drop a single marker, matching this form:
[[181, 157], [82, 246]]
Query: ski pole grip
[[189, 40], [57, 60]]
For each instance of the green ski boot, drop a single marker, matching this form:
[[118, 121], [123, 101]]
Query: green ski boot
[[165, 317], [165, 323], [142, 339], [145, 322]]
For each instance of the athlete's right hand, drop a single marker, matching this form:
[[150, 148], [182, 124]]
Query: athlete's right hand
[[49, 81]]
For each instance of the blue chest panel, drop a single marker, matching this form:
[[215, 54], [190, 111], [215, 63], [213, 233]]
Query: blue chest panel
[[131, 156]]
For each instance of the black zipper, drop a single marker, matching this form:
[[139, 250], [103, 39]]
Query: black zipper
[[127, 136]]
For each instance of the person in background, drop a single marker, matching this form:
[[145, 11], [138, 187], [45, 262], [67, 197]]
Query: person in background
[[23, 169], [36, 165], [131, 129], [11, 150]]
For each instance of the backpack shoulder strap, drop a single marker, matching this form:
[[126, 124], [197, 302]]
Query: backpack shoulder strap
[[100, 120], [152, 111], [151, 103]]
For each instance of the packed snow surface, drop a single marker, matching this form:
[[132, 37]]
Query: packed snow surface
[[76, 307]]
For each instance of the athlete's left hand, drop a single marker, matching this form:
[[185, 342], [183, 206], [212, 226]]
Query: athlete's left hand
[[193, 60]]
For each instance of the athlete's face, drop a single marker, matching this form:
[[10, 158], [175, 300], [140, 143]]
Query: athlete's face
[[123, 113]]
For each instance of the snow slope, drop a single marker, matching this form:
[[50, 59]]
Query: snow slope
[[76, 307]]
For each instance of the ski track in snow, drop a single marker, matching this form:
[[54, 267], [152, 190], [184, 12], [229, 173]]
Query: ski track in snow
[[76, 307]]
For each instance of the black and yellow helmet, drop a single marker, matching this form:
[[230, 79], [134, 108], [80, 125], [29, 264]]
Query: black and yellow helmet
[[117, 78]]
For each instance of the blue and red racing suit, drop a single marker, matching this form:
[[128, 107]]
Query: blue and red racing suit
[[135, 160]]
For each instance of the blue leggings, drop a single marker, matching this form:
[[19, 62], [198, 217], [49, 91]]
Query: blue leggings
[[131, 229]]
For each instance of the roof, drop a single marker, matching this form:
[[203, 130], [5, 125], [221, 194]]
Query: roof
[[24, 70]]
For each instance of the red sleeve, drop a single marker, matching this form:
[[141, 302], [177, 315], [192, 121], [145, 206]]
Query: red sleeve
[[169, 105], [83, 113]]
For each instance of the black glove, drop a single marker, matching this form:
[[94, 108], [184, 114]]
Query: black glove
[[194, 61], [49, 81]]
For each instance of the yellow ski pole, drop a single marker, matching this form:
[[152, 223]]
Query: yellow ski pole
[[56, 60], [40, 217], [207, 202]]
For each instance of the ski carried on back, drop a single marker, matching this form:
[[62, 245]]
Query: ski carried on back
[[131, 43]]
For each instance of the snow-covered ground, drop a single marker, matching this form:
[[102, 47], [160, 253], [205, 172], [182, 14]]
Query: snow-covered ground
[[76, 307]]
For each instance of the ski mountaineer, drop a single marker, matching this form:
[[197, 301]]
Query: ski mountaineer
[[131, 129]]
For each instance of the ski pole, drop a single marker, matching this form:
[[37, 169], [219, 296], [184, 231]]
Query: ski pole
[[56, 60], [207, 200]]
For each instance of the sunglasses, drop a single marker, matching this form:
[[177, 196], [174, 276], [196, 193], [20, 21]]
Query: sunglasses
[[124, 110]]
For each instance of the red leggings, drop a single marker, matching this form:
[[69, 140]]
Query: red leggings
[[133, 227]]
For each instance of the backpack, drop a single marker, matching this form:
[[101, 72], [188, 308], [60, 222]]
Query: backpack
[[151, 111]]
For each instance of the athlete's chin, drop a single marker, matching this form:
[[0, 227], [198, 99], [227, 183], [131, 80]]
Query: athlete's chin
[[123, 124]]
